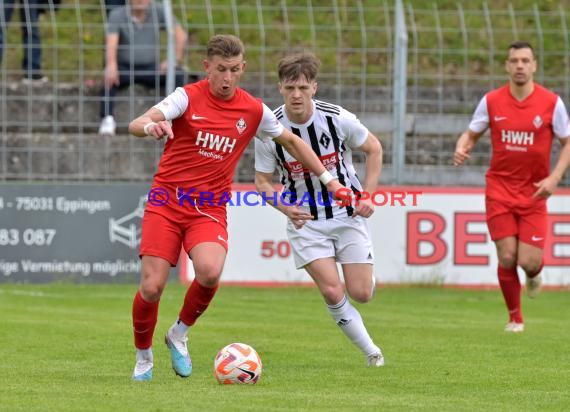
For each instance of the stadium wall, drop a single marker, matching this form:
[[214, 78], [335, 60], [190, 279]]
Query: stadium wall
[[440, 238], [91, 233]]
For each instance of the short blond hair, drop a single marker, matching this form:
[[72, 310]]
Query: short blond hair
[[225, 45]]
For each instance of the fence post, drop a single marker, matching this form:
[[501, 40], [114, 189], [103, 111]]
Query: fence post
[[170, 50], [540, 45], [566, 59], [399, 92]]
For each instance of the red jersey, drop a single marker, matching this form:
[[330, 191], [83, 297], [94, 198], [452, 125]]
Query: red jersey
[[521, 139], [209, 139]]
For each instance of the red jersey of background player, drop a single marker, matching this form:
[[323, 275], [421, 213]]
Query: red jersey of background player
[[211, 134], [521, 138]]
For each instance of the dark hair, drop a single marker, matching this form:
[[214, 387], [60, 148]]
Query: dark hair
[[293, 66], [521, 45], [225, 45]]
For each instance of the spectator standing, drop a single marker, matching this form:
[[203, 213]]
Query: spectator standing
[[30, 11], [132, 51]]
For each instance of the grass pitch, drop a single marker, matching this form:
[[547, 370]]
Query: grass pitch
[[69, 348]]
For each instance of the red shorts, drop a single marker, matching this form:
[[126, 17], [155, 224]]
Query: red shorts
[[164, 234], [528, 223]]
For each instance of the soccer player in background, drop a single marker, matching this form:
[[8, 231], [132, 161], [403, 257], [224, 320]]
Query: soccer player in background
[[213, 121], [319, 231], [523, 118]]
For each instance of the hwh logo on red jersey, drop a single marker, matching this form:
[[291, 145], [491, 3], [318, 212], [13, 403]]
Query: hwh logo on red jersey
[[211, 141], [517, 137]]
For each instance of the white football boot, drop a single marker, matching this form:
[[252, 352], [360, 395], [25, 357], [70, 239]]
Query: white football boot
[[375, 360], [514, 327], [144, 366]]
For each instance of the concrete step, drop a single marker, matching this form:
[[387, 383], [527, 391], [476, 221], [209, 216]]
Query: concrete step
[[78, 156], [74, 107]]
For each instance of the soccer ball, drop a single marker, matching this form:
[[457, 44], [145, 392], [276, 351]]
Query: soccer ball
[[237, 363]]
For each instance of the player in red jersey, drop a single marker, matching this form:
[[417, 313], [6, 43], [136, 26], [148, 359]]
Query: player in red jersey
[[523, 118], [213, 121]]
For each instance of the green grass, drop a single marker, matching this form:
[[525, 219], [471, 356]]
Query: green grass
[[69, 348]]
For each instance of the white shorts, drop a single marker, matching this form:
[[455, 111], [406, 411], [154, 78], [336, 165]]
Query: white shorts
[[345, 238]]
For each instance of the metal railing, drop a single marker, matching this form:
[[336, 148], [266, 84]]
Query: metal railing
[[454, 55]]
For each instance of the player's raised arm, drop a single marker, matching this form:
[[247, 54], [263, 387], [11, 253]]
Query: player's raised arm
[[304, 154], [151, 123], [156, 121]]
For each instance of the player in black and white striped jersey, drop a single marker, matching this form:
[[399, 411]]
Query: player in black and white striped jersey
[[320, 232]]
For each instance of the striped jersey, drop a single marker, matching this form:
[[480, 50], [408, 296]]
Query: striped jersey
[[332, 132]]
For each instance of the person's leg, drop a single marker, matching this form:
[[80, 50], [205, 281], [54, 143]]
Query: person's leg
[[502, 223], [325, 274], [108, 126], [508, 277], [31, 40], [205, 239], [359, 280], [154, 274], [107, 106], [160, 247], [147, 75], [5, 16], [208, 260], [530, 259], [360, 285], [532, 235], [354, 251]]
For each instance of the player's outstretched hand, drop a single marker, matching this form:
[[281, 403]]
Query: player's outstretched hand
[[159, 130], [546, 187], [461, 153], [462, 149], [297, 216], [365, 208], [333, 186]]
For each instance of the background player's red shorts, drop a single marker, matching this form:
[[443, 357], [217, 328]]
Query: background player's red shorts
[[528, 223], [163, 235]]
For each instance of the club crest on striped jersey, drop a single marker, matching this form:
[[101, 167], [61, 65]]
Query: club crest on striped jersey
[[241, 125], [537, 122], [325, 140]]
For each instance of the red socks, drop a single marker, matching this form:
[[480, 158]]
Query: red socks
[[196, 301], [145, 315], [511, 288]]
